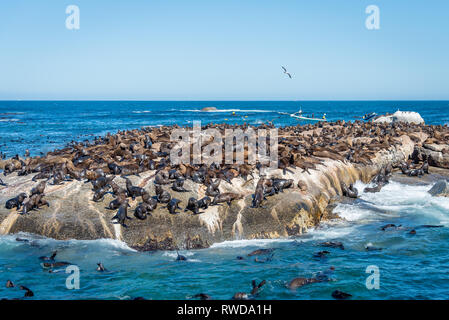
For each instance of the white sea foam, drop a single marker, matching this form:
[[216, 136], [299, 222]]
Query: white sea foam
[[143, 111], [227, 110]]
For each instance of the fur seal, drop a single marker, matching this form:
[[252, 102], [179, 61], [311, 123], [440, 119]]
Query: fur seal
[[350, 191], [260, 252], [142, 210], [193, 206], [340, 295], [280, 184], [16, 202], [100, 267], [39, 189], [116, 203], [299, 282], [99, 194], [50, 258], [333, 244], [172, 205], [180, 257], [133, 191], [226, 197], [162, 195], [203, 296], [321, 254], [178, 186], [122, 214], [204, 203], [28, 292]]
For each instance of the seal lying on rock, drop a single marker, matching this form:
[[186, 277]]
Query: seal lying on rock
[[16, 202], [226, 197]]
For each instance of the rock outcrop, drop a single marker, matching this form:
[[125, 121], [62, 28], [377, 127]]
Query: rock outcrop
[[440, 189], [73, 215]]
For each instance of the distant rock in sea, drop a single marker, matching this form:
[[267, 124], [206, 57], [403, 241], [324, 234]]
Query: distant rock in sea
[[402, 116], [209, 109]]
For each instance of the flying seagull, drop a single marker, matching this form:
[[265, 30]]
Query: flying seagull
[[285, 71]]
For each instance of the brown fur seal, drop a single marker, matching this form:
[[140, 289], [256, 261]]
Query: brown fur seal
[[122, 214], [173, 205], [162, 195], [16, 202], [226, 197]]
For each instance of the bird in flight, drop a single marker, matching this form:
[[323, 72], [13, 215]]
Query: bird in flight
[[287, 73]]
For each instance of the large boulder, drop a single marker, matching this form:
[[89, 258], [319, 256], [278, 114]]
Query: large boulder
[[440, 189]]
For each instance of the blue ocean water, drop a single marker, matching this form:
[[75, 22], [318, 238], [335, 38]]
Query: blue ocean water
[[42, 126], [410, 266]]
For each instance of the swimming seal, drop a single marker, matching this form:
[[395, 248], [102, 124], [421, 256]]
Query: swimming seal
[[260, 252], [340, 295], [333, 244], [28, 292], [203, 296], [51, 258], [16, 202], [122, 214], [100, 267], [180, 257], [299, 282]]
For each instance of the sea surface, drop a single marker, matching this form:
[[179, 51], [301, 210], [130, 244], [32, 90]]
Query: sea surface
[[410, 266]]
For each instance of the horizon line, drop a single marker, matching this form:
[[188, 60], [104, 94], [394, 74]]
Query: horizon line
[[216, 100]]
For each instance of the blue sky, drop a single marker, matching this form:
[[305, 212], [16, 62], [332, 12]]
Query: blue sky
[[224, 50]]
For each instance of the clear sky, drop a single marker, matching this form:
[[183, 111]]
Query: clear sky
[[224, 50]]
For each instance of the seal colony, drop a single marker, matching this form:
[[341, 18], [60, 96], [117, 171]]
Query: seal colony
[[90, 185]]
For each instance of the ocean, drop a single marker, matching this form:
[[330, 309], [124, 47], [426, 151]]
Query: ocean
[[409, 266]]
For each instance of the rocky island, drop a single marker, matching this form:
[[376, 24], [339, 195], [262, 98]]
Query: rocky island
[[76, 192]]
